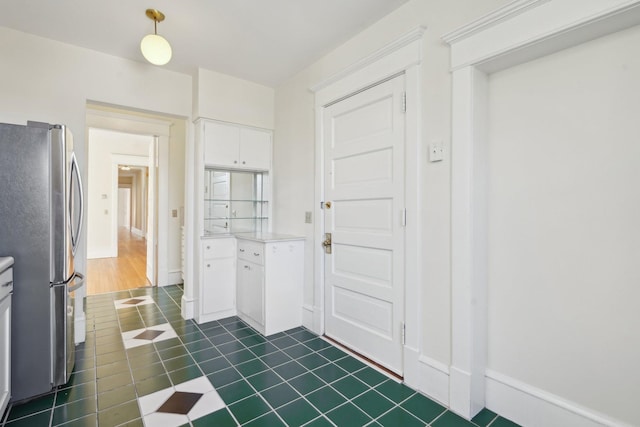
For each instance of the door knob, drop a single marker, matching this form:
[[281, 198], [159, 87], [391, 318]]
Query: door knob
[[327, 243]]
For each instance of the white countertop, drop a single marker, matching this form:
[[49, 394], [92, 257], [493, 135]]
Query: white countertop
[[255, 236], [5, 262]]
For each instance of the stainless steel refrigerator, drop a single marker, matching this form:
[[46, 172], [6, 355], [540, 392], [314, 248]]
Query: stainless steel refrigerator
[[41, 209]]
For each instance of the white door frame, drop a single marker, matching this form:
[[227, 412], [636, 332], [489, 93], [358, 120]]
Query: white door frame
[[521, 31], [153, 127], [403, 55]]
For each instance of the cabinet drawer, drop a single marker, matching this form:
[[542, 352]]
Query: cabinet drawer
[[251, 251], [218, 248]]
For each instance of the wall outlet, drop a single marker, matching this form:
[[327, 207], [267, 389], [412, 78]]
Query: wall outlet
[[436, 152], [174, 213], [307, 217]]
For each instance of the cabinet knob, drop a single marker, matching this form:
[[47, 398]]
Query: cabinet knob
[[208, 265], [246, 267], [256, 254], [235, 161], [243, 162], [241, 250], [208, 247]]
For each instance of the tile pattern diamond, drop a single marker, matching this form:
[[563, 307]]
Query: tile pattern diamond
[[140, 354]]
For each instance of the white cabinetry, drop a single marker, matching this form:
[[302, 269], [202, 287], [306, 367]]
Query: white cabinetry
[[269, 283], [236, 147], [6, 286], [217, 280]]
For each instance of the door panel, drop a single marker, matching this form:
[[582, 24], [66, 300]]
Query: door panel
[[364, 180]]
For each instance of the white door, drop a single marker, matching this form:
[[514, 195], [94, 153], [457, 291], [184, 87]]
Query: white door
[[363, 140]]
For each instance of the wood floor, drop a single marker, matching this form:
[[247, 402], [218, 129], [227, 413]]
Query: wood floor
[[127, 271]]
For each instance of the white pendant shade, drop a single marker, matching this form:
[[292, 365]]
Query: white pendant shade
[[156, 49]]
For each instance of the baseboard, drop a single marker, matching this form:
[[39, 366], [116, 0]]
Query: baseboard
[[215, 316], [175, 277], [100, 253], [137, 232], [187, 307], [530, 406], [433, 379], [307, 316]]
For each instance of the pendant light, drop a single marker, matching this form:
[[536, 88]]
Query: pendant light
[[156, 49]]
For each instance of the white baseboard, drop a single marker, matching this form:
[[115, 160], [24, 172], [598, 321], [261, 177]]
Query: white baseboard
[[307, 316], [215, 316], [175, 277], [187, 308], [100, 253], [137, 232], [434, 379], [532, 407]]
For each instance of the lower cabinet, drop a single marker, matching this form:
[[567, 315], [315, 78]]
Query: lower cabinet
[[269, 284], [217, 280]]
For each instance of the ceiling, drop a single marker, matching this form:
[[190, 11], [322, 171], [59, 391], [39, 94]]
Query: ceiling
[[265, 41]]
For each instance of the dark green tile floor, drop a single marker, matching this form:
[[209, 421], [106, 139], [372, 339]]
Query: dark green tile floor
[[293, 378]]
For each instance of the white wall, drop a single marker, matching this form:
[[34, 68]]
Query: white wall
[[564, 241], [48, 81], [103, 145], [295, 138], [230, 99]]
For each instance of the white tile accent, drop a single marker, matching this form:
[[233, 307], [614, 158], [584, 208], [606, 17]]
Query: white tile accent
[[165, 420], [151, 402], [131, 342], [208, 403], [120, 302]]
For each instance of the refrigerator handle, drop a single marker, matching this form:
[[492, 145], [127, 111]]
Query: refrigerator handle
[[75, 238], [78, 283]]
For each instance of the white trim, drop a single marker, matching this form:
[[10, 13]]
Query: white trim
[[210, 317], [401, 56], [187, 307], [104, 253], [80, 327], [307, 316], [514, 400], [518, 33], [137, 232], [404, 40], [432, 377], [109, 120], [175, 277]]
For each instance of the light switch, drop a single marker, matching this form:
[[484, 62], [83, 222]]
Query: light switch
[[436, 152], [307, 217], [174, 213], [103, 196]]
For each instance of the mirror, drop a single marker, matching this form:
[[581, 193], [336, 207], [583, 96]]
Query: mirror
[[234, 201]]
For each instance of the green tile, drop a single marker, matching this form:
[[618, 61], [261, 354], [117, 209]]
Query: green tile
[[284, 342], [221, 339], [199, 345], [248, 409], [484, 417], [320, 422], [116, 397], [306, 383], [326, 399], [263, 349], [140, 350], [224, 377], [317, 344], [449, 419], [275, 359], [298, 350], [297, 412], [332, 353], [264, 380], [235, 391], [82, 391], [144, 360], [33, 420], [38, 405], [373, 403], [312, 361], [303, 335], [165, 344], [267, 420], [119, 414], [88, 421], [185, 374], [243, 333], [503, 422], [178, 363], [139, 423], [370, 376], [114, 381], [234, 325], [400, 417], [330, 372], [151, 385], [350, 364], [251, 367], [220, 418], [423, 407], [113, 368], [348, 415], [252, 340], [279, 395], [74, 410], [150, 371], [239, 356], [214, 365], [172, 352], [350, 386], [290, 370], [206, 354], [105, 359], [230, 347], [397, 392]]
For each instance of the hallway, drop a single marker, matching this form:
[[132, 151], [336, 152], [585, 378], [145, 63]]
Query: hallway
[[127, 271]]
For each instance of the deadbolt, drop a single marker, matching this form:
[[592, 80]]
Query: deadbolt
[[327, 243]]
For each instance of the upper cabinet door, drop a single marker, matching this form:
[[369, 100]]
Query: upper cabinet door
[[221, 144], [255, 149]]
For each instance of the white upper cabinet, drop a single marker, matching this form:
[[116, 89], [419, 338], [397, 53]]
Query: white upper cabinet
[[236, 147]]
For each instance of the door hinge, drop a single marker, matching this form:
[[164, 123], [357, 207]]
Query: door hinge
[[404, 102], [321, 205], [404, 333], [403, 217]]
